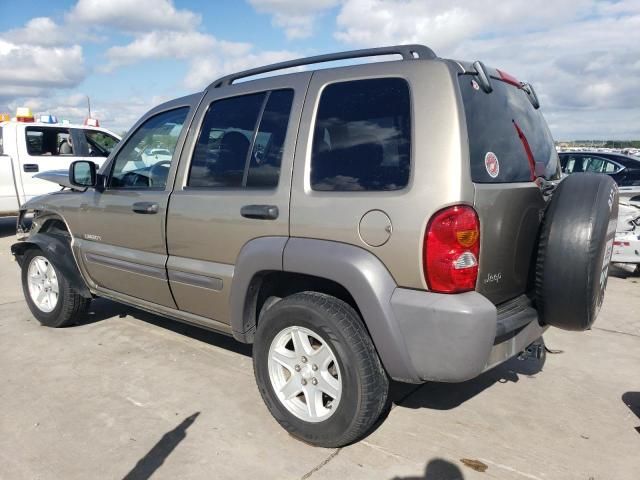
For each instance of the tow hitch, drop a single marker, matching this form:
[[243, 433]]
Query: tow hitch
[[535, 350]]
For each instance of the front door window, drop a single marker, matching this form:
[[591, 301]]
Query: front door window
[[144, 161]]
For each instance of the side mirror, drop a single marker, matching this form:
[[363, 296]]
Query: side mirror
[[82, 173]]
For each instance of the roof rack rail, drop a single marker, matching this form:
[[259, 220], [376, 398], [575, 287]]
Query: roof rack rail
[[408, 52]]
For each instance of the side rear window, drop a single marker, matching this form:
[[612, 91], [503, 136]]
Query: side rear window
[[45, 141], [502, 126], [241, 142], [362, 136]]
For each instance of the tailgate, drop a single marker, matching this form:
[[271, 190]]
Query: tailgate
[[509, 145], [509, 221]]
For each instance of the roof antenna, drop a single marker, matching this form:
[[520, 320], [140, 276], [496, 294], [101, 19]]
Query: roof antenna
[[89, 105]]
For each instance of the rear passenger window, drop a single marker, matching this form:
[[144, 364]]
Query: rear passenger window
[[241, 142], [362, 136], [47, 141]]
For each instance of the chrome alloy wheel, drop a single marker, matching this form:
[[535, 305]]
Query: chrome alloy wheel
[[43, 284], [305, 374]]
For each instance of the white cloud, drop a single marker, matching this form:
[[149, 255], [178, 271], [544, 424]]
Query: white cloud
[[40, 31], [115, 115], [29, 70], [205, 70], [207, 57], [581, 55], [442, 24], [133, 16], [160, 44], [296, 17]]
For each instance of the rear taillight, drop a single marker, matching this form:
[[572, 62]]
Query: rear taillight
[[451, 250]]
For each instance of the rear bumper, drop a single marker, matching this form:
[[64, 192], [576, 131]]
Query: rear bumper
[[452, 338]]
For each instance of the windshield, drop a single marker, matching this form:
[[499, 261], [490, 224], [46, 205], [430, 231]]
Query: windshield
[[509, 140]]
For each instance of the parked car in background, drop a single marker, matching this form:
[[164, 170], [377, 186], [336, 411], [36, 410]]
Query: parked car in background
[[626, 246], [624, 169], [29, 147]]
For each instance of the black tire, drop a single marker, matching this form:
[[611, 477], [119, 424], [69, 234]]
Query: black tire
[[365, 384], [70, 307], [574, 251]]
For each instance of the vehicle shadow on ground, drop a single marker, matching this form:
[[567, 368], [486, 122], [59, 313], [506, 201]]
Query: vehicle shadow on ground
[[632, 400], [103, 309], [438, 469], [447, 396], [155, 457], [7, 226], [619, 272], [431, 395]]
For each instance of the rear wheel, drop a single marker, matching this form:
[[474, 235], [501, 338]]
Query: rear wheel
[[48, 294], [318, 371]]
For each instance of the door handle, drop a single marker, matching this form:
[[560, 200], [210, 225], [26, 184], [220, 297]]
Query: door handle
[[260, 212], [145, 207], [31, 167]]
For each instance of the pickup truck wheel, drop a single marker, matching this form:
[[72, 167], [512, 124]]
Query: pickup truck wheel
[[318, 371], [48, 294]]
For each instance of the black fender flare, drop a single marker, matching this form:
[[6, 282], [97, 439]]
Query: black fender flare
[[58, 249], [359, 271]]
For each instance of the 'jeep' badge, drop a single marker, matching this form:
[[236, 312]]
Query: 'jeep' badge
[[491, 164]]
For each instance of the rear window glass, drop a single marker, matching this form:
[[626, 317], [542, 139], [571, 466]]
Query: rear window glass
[[362, 136], [493, 121]]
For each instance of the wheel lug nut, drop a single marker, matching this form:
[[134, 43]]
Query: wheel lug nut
[[297, 368], [314, 381], [314, 367], [304, 382], [304, 359]]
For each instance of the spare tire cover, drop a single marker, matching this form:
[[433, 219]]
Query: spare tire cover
[[574, 250]]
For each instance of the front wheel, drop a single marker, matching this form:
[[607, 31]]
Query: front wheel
[[318, 371], [48, 294]]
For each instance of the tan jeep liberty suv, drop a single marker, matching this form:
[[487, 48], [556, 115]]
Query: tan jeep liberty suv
[[400, 219]]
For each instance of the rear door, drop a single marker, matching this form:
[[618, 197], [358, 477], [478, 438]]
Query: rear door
[[509, 146], [240, 154]]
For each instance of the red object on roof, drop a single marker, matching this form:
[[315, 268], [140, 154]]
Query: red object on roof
[[506, 77]]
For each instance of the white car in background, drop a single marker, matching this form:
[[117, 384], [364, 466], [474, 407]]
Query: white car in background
[[28, 148], [626, 245]]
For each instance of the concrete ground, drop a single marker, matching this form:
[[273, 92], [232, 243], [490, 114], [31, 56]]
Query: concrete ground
[[130, 395]]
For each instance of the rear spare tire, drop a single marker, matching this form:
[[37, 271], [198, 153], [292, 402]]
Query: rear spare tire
[[574, 251]]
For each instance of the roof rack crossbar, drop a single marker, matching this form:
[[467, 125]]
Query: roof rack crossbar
[[408, 52]]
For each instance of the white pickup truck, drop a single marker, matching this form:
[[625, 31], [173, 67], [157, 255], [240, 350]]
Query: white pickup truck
[[30, 148]]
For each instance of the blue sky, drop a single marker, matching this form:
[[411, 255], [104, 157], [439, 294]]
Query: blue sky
[[583, 56]]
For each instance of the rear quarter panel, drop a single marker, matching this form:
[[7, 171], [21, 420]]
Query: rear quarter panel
[[439, 169]]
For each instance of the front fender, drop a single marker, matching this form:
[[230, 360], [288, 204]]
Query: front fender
[[58, 250]]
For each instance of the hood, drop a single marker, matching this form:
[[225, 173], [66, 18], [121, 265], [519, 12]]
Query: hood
[[61, 177]]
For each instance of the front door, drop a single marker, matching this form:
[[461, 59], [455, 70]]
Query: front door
[[233, 186], [121, 234]]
